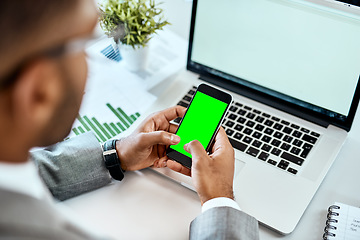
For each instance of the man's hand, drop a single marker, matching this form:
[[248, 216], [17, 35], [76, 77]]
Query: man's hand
[[212, 174], [146, 146]]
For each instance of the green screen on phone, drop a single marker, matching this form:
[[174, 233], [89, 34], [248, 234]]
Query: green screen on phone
[[200, 121]]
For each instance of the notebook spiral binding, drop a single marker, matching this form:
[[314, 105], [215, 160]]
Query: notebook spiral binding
[[330, 220]]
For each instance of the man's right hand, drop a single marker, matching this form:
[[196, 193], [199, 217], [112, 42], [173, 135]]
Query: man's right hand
[[212, 174]]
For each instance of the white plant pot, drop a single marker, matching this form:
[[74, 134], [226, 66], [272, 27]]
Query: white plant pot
[[135, 59]]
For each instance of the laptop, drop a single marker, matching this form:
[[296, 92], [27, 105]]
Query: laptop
[[293, 69]]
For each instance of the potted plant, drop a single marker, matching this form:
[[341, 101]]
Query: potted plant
[[131, 24]]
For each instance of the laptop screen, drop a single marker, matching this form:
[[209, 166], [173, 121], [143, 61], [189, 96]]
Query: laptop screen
[[296, 52]]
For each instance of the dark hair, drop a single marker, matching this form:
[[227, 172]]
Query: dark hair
[[21, 21]]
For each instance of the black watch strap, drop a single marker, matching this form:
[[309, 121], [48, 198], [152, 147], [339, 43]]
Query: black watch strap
[[112, 161]]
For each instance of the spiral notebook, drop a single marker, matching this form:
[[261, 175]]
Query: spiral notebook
[[343, 222]]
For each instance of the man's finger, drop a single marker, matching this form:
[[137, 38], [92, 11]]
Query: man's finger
[[157, 137], [173, 112], [177, 167], [196, 149]]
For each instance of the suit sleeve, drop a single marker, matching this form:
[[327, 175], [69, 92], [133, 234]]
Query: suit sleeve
[[72, 167], [224, 223]]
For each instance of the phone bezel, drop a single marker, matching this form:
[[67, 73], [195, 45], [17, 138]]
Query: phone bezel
[[212, 92]]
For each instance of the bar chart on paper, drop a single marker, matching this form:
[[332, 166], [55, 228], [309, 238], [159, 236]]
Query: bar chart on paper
[[106, 130]]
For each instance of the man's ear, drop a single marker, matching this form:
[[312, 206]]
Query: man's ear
[[36, 94]]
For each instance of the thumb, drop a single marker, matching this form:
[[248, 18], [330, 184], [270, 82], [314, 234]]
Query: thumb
[[158, 137], [196, 149]]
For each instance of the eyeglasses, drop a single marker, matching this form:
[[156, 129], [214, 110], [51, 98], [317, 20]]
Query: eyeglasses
[[73, 46]]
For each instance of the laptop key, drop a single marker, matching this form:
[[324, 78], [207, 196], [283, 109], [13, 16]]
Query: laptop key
[[241, 120], [238, 145], [283, 164], [238, 136], [247, 108], [278, 126], [250, 115], [238, 104], [278, 135], [232, 116], [288, 139], [183, 104], [191, 92], [269, 123], [238, 127], [263, 156], [315, 134], [256, 143], [177, 120], [309, 139], [247, 139], [307, 146], [252, 151], [230, 132], [266, 138], [292, 158], [297, 134], [276, 151], [229, 123], [259, 127], [293, 171], [266, 147], [269, 131], [266, 115], [285, 122], [285, 146], [305, 153], [256, 111], [248, 131], [272, 162], [187, 98], [233, 109], [275, 119], [257, 135], [259, 119], [295, 126], [275, 142], [305, 130], [287, 130], [242, 112], [297, 142], [250, 123], [295, 150]]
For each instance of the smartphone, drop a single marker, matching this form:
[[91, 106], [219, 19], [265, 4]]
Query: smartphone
[[201, 121]]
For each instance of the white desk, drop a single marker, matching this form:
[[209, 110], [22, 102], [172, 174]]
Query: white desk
[[147, 206]]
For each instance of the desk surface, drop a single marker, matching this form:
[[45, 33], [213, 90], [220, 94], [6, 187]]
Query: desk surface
[[146, 205]]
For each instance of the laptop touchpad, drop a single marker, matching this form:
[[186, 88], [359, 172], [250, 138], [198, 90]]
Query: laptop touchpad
[[239, 165]]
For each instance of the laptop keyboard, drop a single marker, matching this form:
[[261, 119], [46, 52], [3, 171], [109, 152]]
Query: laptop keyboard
[[265, 137]]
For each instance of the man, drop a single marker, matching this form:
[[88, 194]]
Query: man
[[42, 79]]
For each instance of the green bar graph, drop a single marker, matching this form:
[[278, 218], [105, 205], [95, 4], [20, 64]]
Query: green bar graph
[[95, 129], [75, 131], [109, 129], [106, 130], [83, 123], [125, 115], [81, 129], [101, 128], [118, 115], [115, 128]]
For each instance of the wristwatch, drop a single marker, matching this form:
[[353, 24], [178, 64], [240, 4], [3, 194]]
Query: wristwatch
[[112, 161]]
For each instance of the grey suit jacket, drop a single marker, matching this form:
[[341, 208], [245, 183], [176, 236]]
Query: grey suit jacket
[[76, 166]]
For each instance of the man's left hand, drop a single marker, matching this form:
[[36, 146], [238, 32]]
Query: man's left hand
[[146, 146]]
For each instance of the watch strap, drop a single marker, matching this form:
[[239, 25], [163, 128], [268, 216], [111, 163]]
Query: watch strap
[[112, 161]]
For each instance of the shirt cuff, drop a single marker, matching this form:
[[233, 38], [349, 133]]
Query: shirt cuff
[[219, 202]]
